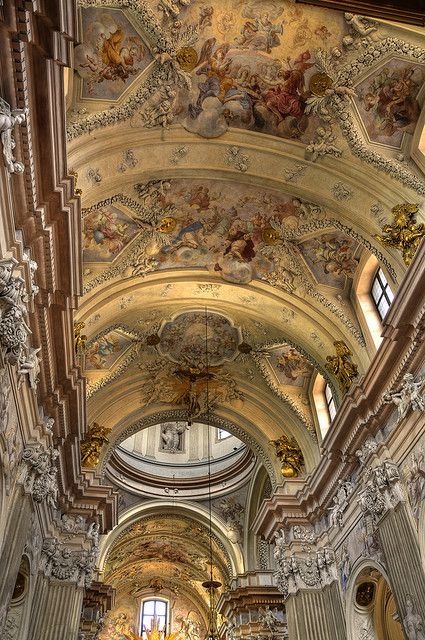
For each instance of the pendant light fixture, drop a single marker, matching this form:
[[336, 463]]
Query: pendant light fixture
[[210, 585]]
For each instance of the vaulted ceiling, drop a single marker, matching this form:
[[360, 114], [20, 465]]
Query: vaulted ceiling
[[239, 157]]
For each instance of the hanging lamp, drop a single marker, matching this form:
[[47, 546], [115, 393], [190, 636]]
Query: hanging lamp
[[210, 585]]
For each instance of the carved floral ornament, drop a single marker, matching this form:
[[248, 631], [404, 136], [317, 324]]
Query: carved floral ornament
[[14, 330], [313, 570], [39, 473]]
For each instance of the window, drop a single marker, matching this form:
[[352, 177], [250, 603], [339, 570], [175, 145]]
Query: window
[[153, 611], [381, 293], [330, 402], [222, 434]]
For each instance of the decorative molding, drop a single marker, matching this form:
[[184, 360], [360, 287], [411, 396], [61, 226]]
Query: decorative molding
[[323, 144], [382, 491], [314, 570], [235, 158]]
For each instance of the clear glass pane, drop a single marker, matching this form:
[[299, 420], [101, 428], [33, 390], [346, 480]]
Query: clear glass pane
[[328, 393], [376, 290], [160, 608], [382, 278], [223, 434], [332, 409], [383, 307], [149, 607], [389, 293]]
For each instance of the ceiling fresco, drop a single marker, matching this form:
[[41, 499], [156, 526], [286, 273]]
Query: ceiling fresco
[[290, 367], [387, 101], [112, 55], [106, 350], [172, 548], [234, 232], [293, 72], [106, 233], [241, 156]]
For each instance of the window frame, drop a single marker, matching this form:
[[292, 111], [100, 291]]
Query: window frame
[[384, 287], [151, 616]]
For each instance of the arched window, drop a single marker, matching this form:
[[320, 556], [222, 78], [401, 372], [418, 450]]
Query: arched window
[[154, 613], [324, 404], [371, 300], [381, 293]]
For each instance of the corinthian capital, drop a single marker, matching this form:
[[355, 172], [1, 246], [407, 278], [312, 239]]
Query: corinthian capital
[[39, 473]]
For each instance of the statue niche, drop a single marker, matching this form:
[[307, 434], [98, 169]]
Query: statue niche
[[172, 434]]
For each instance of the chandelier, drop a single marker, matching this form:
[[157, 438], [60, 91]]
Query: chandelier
[[210, 585]]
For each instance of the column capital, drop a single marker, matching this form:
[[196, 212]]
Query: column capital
[[39, 473], [66, 564], [382, 490], [312, 569]]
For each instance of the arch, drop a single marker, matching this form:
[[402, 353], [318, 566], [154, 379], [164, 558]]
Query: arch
[[372, 615], [193, 511]]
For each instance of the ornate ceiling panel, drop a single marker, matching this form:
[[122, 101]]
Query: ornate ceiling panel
[[242, 157]]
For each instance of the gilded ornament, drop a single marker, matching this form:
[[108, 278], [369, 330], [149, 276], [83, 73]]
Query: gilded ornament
[[187, 58], [290, 455], [77, 191], [92, 444], [404, 234], [341, 366], [271, 236], [320, 83], [79, 338], [167, 225]]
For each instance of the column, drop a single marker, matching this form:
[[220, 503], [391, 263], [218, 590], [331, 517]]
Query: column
[[56, 610], [404, 565], [384, 500], [315, 614], [307, 577]]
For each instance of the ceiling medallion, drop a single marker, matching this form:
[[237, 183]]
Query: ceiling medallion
[[320, 83], [187, 58]]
